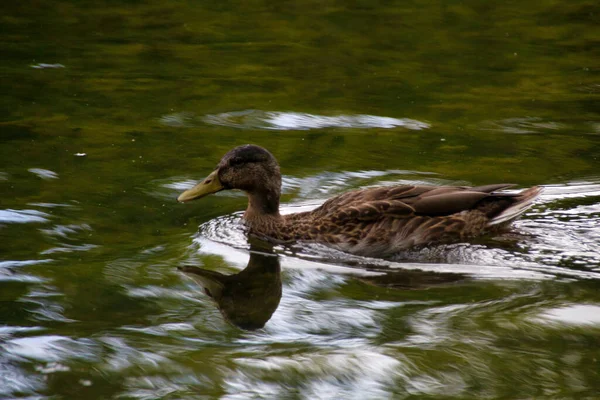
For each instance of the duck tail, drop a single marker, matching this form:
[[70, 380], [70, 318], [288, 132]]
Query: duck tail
[[523, 201]]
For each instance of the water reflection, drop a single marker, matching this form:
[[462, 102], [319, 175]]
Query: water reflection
[[574, 314], [22, 216], [525, 125], [44, 173], [283, 120], [414, 279], [249, 298], [94, 113]]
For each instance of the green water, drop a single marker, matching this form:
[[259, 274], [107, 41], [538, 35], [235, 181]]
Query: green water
[[110, 109]]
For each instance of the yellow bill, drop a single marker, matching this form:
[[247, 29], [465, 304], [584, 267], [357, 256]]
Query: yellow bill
[[208, 186]]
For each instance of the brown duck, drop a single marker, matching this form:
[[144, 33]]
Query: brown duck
[[377, 221]]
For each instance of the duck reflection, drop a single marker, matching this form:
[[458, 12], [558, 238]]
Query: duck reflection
[[414, 279], [249, 298]]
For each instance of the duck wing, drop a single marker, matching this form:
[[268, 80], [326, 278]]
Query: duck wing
[[413, 200]]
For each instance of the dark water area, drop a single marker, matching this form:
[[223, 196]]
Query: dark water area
[[110, 109]]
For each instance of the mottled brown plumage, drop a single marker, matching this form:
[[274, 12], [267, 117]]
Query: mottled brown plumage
[[374, 221]]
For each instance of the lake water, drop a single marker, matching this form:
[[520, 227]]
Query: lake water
[[111, 109]]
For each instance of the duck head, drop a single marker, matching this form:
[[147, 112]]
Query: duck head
[[249, 168]]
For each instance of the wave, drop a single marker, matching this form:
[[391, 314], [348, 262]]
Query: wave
[[289, 120]]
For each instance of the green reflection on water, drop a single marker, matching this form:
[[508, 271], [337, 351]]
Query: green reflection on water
[[511, 91]]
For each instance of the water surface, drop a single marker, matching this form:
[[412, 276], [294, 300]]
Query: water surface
[[110, 110]]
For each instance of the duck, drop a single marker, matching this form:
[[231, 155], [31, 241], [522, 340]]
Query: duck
[[372, 221]]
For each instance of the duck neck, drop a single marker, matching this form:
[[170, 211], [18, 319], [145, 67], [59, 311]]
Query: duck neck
[[262, 206]]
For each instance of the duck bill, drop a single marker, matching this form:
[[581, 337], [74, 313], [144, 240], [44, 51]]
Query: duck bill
[[208, 186]]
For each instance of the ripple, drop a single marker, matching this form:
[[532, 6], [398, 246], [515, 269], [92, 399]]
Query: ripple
[[179, 120], [184, 385], [180, 185], [522, 125], [156, 292], [124, 356], [326, 184], [571, 190], [45, 305], [304, 318], [22, 216], [443, 385], [44, 173], [51, 348], [64, 231], [162, 330], [24, 263], [7, 273], [15, 380], [46, 66], [576, 314], [49, 205], [69, 248], [279, 120], [557, 242], [9, 276], [6, 331], [343, 373], [228, 229], [283, 120], [563, 233]]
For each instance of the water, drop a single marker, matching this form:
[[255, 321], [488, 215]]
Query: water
[[110, 111]]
